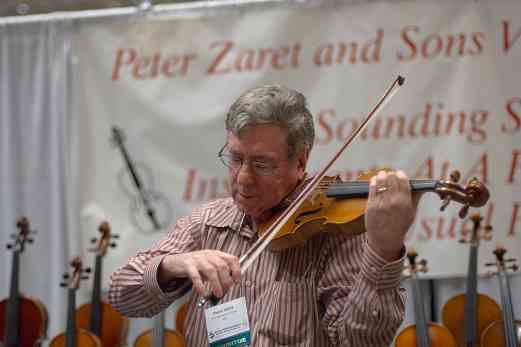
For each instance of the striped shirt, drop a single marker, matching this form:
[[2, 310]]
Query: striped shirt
[[333, 291]]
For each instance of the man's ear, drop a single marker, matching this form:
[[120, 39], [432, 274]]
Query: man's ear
[[302, 161]]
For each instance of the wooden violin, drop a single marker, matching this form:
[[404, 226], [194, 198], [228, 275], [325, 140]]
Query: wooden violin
[[98, 316], [180, 317], [467, 315], [73, 336], [340, 206], [505, 332], [23, 321], [423, 333], [159, 336]]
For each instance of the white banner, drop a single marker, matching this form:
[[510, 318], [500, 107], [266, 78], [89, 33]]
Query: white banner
[[168, 82]]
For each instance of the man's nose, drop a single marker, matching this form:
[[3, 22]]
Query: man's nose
[[245, 173]]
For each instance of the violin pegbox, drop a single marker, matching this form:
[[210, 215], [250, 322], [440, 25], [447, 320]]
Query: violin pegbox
[[105, 239], [502, 264], [474, 194], [72, 280], [22, 236], [414, 264], [478, 232]]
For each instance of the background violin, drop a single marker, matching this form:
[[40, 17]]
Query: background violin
[[98, 316], [159, 336], [23, 321], [505, 332], [74, 337], [180, 317], [423, 333], [467, 315]]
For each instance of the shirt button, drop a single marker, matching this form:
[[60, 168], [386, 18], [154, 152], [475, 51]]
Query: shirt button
[[247, 283], [375, 313], [373, 269]]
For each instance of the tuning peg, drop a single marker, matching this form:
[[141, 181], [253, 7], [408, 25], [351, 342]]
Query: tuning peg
[[113, 244], [30, 240], [514, 267], [93, 240], [9, 246], [463, 211], [114, 236], [84, 277], [509, 260], [88, 270], [63, 284], [445, 202], [490, 264], [455, 176], [65, 276]]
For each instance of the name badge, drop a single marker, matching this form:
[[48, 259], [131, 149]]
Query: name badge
[[227, 324]]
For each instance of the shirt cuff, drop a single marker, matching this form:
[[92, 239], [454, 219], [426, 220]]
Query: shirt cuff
[[175, 289], [381, 273]]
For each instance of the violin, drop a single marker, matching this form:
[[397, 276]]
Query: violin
[[326, 201], [159, 336], [98, 316], [74, 336], [423, 333], [339, 206], [505, 332], [467, 315], [180, 318], [23, 321]]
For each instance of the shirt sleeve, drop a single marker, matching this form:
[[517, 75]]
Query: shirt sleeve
[[134, 289], [359, 295]]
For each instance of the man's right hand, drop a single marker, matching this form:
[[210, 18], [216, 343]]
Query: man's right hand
[[221, 270]]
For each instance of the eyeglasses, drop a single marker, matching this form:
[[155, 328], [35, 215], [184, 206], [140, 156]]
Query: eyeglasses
[[235, 162]]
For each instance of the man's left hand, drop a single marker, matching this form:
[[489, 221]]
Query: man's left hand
[[391, 209]]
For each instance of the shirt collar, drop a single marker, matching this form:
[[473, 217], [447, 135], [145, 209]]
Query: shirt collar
[[229, 216]]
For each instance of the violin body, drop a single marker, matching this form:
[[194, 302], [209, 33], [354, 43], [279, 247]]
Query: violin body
[[114, 328], [494, 334], [83, 339], [344, 216], [439, 336], [171, 338], [453, 315], [33, 322]]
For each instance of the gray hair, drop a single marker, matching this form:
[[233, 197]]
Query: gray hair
[[274, 105]]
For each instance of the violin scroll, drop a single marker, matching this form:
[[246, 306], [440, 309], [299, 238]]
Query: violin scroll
[[474, 194], [73, 279], [22, 236], [478, 233], [501, 263], [105, 240], [415, 265]]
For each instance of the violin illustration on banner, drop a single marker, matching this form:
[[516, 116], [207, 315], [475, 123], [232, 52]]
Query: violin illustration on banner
[[150, 210]]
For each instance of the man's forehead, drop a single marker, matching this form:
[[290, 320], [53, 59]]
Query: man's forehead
[[259, 140]]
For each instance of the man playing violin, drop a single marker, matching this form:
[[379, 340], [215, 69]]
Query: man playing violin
[[334, 290]]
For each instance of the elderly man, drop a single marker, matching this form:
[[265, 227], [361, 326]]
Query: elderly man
[[334, 290]]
